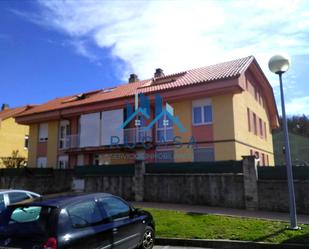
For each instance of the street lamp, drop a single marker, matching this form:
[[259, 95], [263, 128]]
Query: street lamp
[[279, 64]]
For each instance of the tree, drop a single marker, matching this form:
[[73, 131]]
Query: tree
[[298, 125], [14, 161]]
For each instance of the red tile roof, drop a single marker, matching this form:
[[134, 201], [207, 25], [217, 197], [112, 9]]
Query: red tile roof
[[221, 71], [12, 112]]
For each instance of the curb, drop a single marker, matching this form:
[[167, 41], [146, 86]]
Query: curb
[[226, 244]]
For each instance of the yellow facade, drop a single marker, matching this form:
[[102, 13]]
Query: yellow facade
[[223, 127], [12, 137], [248, 140], [52, 144], [33, 144], [183, 111]]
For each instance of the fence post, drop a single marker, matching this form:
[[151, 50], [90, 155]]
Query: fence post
[[250, 182], [138, 180]]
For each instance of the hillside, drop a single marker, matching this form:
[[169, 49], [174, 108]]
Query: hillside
[[299, 149]]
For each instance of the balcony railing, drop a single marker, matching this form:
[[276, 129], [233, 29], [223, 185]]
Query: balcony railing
[[137, 135], [165, 134], [73, 141], [64, 143], [130, 135]]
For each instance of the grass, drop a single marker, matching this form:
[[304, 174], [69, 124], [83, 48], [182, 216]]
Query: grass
[[299, 146], [176, 224]]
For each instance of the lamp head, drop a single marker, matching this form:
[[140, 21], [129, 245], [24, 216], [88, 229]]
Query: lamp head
[[279, 64]]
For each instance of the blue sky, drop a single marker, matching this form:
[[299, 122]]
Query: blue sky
[[56, 48]]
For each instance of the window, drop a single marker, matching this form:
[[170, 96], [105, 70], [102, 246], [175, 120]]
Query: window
[[267, 160], [26, 143], [249, 119], [26, 214], [197, 115], [114, 207], [63, 162], [201, 112], [165, 130], [43, 132], [96, 159], [64, 131], [164, 156], [203, 154], [261, 127], [207, 114], [90, 129], [2, 204], [255, 123], [41, 162], [84, 214], [263, 159], [265, 131], [17, 197]]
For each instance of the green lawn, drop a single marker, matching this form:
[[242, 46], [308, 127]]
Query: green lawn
[[175, 224]]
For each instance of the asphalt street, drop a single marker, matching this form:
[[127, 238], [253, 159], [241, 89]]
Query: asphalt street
[[178, 247]]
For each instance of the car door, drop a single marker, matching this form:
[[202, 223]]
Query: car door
[[127, 229], [82, 225], [2, 203], [15, 197]]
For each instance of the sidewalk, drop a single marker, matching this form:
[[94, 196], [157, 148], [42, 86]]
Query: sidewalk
[[302, 219]]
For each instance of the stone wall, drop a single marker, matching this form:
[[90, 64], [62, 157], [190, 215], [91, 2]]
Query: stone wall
[[57, 181], [233, 190], [116, 185], [273, 195], [225, 190]]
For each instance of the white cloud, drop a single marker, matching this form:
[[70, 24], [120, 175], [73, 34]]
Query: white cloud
[[179, 35], [298, 106]]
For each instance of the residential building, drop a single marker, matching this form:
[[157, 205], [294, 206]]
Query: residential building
[[218, 112], [13, 136]]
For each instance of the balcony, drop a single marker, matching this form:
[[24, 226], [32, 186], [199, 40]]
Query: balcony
[[130, 136], [137, 135], [165, 134], [73, 141]]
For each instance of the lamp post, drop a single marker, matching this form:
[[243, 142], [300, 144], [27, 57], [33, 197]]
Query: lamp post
[[279, 64]]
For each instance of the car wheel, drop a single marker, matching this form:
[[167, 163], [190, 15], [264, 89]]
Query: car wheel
[[148, 239]]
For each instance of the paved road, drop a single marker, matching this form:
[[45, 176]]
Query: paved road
[[177, 247]]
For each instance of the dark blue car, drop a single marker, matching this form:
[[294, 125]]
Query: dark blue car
[[77, 222]]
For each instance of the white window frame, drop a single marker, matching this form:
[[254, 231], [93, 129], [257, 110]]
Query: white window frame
[[26, 142], [64, 141], [164, 129], [43, 132], [63, 159], [41, 162], [164, 150], [194, 159], [201, 103]]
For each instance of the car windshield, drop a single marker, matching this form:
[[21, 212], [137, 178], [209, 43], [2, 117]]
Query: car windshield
[[25, 220]]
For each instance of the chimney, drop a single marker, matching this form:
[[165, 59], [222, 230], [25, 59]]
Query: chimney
[[158, 73], [133, 78], [4, 107]]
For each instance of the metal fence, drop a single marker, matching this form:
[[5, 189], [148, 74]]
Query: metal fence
[[279, 173], [195, 167]]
